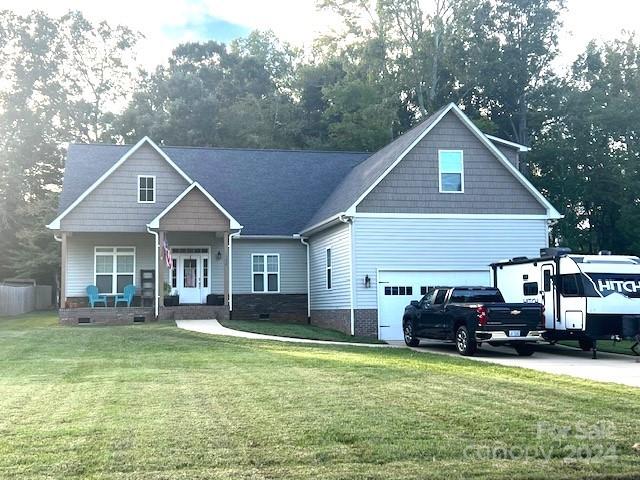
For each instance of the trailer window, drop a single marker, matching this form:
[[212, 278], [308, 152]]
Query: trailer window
[[570, 285], [546, 280], [530, 288]]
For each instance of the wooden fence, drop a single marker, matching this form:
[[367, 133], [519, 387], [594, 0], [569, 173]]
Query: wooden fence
[[15, 300]]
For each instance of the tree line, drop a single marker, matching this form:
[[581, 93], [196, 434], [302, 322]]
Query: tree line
[[387, 65]]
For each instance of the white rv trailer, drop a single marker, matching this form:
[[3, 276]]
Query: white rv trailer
[[585, 297]]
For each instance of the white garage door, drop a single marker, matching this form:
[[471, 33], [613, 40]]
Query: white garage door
[[397, 288]]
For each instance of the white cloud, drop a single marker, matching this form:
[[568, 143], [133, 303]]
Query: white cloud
[[298, 21]]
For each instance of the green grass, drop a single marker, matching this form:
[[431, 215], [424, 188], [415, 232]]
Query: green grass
[[155, 402], [296, 330], [623, 346]]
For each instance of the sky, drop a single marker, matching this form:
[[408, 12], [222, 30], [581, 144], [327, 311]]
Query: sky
[[167, 23]]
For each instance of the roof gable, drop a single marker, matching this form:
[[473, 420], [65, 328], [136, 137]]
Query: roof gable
[[194, 187], [412, 186], [257, 187], [366, 176], [55, 224]]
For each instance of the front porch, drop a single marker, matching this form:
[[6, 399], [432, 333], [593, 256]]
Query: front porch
[[180, 266]]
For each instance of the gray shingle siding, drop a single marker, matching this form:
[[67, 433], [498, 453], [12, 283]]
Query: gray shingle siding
[[511, 153], [113, 206], [412, 186], [257, 187]]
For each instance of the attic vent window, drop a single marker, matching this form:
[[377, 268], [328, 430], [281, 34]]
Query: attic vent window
[[146, 189], [451, 167]]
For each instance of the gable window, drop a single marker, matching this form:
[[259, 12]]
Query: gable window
[[328, 265], [146, 189], [451, 168], [265, 273], [114, 268]]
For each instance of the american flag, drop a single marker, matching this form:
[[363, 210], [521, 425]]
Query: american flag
[[167, 254]]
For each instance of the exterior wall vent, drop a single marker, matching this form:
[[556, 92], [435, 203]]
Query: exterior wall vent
[[84, 320], [264, 316], [138, 319]]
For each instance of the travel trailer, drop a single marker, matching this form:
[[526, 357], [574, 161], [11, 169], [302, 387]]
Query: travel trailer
[[585, 297]]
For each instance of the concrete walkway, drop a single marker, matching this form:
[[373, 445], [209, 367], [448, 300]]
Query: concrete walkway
[[557, 359], [213, 327]]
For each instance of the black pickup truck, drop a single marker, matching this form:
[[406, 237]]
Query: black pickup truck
[[470, 316]]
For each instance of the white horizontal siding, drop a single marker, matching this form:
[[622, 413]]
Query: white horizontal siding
[[339, 297], [293, 263], [437, 244], [80, 256]]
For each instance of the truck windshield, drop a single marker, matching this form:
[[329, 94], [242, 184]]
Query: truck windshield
[[476, 296]]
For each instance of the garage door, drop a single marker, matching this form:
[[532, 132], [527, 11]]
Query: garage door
[[397, 288]]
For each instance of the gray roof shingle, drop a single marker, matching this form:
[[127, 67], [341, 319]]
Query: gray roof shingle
[[270, 192], [364, 174]]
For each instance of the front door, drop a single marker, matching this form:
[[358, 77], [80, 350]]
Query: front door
[[190, 280], [192, 275]]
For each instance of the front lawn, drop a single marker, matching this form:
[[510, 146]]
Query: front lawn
[[295, 330], [155, 402]]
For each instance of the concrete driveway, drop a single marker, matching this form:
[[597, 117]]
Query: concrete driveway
[[558, 359]]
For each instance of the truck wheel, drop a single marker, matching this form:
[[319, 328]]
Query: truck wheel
[[586, 344], [409, 337], [465, 343], [525, 350]]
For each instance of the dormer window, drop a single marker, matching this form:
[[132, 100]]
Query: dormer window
[[451, 168], [146, 189]]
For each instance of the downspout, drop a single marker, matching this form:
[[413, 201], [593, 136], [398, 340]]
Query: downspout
[[230, 253], [157, 265], [60, 282], [304, 242], [348, 221]]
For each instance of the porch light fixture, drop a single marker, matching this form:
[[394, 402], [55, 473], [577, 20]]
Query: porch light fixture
[[367, 281], [219, 255]]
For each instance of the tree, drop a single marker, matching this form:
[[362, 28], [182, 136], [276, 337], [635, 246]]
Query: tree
[[215, 95], [586, 155], [42, 106], [101, 58], [510, 45]]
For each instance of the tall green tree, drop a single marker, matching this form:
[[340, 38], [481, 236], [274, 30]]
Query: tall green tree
[[509, 46], [43, 105], [586, 156], [212, 94]]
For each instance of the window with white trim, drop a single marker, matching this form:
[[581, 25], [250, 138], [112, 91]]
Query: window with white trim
[[146, 189], [451, 170], [114, 268], [328, 265], [265, 273]]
